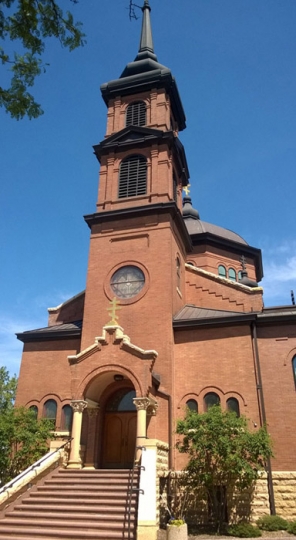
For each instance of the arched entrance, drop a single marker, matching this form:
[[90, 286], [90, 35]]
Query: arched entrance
[[119, 432]]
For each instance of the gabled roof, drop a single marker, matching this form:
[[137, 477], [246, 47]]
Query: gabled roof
[[191, 315], [136, 136], [58, 331], [131, 136], [274, 315]]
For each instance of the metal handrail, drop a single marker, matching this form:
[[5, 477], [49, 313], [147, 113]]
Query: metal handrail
[[32, 467], [132, 488]]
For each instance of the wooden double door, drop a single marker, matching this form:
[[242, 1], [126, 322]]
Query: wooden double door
[[119, 439]]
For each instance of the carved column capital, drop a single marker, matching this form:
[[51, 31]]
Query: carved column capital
[[141, 403], [92, 411], [152, 408], [78, 405]]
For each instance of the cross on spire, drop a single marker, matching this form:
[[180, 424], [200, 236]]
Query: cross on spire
[[243, 262], [186, 189]]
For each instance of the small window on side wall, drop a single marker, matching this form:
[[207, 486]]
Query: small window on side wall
[[233, 406], [34, 409], [178, 271], [192, 405], [232, 274], [210, 400], [221, 270], [175, 187], [66, 420], [50, 411], [294, 368]]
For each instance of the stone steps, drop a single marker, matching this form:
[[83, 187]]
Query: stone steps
[[71, 505]]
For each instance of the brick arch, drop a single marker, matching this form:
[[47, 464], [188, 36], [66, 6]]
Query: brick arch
[[289, 357], [105, 369], [186, 397], [236, 395]]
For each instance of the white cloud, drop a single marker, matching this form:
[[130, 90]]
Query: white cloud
[[10, 346], [280, 272], [30, 315]]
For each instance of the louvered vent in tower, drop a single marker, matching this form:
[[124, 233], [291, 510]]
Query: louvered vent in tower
[[132, 177], [136, 114]]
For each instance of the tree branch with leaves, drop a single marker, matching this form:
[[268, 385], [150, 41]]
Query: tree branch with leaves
[[29, 23], [23, 438], [224, 457]]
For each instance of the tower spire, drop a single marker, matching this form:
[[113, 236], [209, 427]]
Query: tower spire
[[146, 48]]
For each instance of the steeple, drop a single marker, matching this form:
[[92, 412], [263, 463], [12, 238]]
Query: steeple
[[146, 49], [146, 73]]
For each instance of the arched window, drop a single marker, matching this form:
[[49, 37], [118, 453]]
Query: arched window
[[132, 177], [221, 270], [192, 405], [294, 368], [232, 274], [178, 270], [121, 400], [136, 114], [34, 410], [239, 274], [175, 187], [211, 399], [233, 406], [66, 420], [50, 410]]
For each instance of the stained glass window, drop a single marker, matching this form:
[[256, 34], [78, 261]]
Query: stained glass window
[[233, 406], [127, 282], [121, 401], [192, 405], [211, 399]]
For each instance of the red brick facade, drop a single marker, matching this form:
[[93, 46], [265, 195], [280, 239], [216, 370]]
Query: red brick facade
[[168, 357]]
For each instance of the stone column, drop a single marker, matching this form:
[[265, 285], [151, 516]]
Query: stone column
[[78, 407], [142, 404], [90, 461]]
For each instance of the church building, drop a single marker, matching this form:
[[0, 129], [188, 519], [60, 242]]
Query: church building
[[172, 315]]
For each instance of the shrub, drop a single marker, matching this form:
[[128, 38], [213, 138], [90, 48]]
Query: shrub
[[291, 528], [177, 522], [244, 530], [272, 523]]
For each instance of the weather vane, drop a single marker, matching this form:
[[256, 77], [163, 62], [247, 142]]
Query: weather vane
[[186, 189], [132, 13], [112, 309]]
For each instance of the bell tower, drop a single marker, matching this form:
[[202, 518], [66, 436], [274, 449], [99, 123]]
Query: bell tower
[[138, 238], [142, 160]]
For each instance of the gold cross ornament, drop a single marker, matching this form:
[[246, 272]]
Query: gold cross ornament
[[186, 189], [112, 309]]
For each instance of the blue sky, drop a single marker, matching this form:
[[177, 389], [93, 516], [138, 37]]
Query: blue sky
[[234, 62]]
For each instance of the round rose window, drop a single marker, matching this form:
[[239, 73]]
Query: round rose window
[[127, 282]]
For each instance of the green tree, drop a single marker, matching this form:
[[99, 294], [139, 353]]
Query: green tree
[[225, 457], [23, 438], [28, 23], [7, 390]]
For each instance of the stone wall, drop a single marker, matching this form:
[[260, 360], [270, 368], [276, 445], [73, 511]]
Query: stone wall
[[284, 485], [162, 464], [249, 505]]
